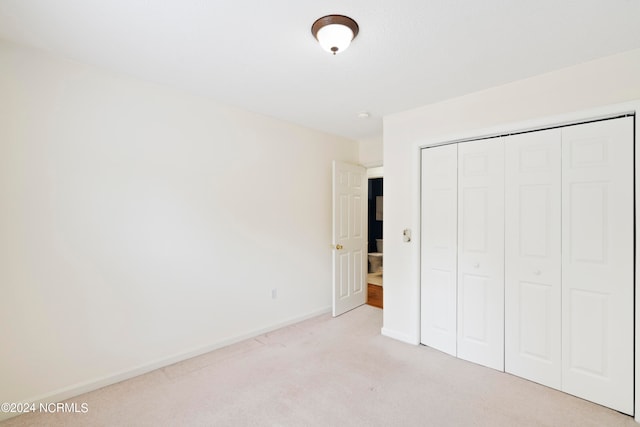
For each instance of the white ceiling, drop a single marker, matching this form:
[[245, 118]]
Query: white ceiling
[[260, 55]]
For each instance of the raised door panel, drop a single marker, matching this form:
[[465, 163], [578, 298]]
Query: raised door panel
[[532, 256], [359, 256], [597, 262], [480, 313], [438, 248]]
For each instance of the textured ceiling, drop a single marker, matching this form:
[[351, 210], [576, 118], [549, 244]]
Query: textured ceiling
[[261, 56]]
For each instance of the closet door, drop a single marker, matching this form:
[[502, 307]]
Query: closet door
[[597, 262], [532, 256], [481, 252], [439, 247]]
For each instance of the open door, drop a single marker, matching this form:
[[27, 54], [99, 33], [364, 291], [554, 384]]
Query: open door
[[349, 237]]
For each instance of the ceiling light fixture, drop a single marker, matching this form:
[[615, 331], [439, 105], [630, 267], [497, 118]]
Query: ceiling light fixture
[[335, 32]]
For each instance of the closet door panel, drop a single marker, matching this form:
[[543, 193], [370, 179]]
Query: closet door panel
[[597, 262], [481, 252], [532, 256], [439, 247]]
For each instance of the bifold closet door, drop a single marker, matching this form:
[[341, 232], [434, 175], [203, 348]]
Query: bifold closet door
[[598, 263], [439, 247], [532, 256], [481, 252]]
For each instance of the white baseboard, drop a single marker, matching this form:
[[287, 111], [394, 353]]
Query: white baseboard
[[400, 336], [96, 383]]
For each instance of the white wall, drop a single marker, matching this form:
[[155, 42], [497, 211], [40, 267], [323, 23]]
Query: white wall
[[605, 81], [371, 152], [140, 224]]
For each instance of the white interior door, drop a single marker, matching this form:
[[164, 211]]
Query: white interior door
[[481, 252], [597, 262], [439, 228], [532, 256], [349, 237]]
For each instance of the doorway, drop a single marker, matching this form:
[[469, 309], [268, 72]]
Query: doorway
[[375, 248]]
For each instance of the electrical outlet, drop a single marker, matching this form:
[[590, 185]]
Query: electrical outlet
[[274, 293]]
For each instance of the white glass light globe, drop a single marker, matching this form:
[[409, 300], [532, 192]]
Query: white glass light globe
[[335, 38]]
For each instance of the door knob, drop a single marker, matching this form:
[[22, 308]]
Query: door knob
[[338, 247]]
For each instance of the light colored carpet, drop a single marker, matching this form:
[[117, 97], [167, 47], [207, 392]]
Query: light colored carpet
[[328, 372]]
